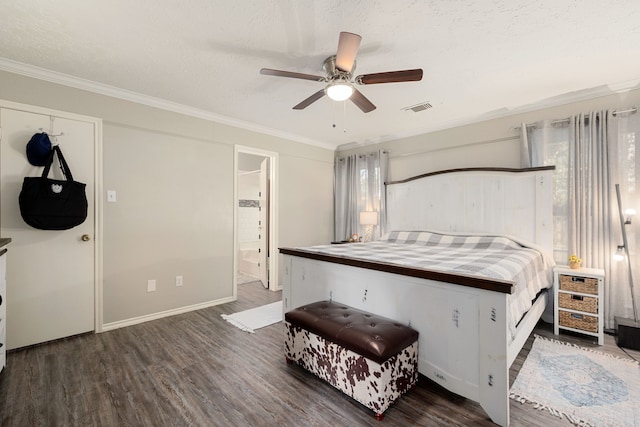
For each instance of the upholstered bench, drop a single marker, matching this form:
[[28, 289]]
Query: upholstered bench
[[370, 358]]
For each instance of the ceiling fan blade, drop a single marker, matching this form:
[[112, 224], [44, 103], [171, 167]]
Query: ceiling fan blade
[[293, 75], [390, 77], [362, 102], [310, 100], [348, 45]]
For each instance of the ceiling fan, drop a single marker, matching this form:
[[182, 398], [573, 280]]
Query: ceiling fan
[[339, 70]]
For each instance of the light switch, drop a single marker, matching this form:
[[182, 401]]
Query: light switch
[[111, 195]]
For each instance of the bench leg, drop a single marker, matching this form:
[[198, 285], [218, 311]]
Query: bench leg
[[289, 361], [379, 416]]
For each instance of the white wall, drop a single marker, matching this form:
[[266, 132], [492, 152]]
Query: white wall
[[248, 216], [249, 185], [174, 179]]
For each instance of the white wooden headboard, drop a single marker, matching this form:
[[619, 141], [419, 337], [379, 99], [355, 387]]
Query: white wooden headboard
[[517, 202]]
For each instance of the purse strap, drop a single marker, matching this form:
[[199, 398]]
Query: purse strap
[[63, 164]]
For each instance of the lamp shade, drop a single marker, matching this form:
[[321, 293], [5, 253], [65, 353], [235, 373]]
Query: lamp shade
[[369, 218], [339, 91], [630, 212]]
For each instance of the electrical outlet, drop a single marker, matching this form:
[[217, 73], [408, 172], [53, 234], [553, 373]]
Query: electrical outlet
[[151, 285], [111, 196], [178, 280]]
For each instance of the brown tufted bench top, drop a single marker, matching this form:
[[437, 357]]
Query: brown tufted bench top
[[374, 337]]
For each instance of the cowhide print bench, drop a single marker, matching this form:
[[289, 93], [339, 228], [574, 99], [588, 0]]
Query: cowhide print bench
[[370, 358]]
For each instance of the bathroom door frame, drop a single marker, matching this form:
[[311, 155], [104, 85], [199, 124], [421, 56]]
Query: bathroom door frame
[[272, 225]]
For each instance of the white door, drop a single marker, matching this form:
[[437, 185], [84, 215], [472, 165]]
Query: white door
[[263, 225], [50, 274]]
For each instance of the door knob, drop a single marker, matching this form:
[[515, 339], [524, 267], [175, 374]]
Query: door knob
[[85, 238]]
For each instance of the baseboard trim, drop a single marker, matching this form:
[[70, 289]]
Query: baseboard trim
[[155, 316]]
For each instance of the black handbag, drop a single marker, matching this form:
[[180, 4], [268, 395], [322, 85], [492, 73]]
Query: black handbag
[[52, 204]]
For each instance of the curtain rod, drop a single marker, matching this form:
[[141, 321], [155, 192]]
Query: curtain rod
[[363, 154], [630, 110], [613, 113]]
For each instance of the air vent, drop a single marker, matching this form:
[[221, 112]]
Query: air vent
[[418, 107]]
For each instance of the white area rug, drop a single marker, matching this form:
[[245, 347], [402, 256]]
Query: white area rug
[[256, 318], [588, 387]]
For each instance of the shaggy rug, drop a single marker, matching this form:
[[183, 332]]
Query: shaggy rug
[[588, 387], [256, 318]]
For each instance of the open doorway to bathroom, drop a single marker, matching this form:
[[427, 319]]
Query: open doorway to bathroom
[[255, 219]]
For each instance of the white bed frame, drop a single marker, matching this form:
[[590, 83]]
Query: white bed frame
[[465, 344]]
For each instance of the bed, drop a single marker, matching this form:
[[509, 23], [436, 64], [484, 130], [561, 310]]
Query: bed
[[472, 318]]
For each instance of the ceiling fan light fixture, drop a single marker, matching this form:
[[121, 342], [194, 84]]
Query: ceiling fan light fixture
[[339, 91]]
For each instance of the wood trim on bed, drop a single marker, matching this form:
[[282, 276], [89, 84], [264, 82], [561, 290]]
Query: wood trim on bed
[[424, 175], [495, 285]]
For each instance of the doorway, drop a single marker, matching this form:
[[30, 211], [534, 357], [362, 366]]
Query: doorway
[[255, 246]]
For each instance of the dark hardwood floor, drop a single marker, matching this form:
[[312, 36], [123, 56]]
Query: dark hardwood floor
[[195, 369]]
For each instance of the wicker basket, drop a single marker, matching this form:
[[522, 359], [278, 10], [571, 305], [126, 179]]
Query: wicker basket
[[578, 302], [583, 322], [585, 285]]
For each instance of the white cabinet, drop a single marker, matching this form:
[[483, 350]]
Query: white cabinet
[[578, 297], [3, 308]]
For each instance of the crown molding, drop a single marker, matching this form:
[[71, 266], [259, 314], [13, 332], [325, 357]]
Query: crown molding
[[150, 101], [102, 89], [556, 101]]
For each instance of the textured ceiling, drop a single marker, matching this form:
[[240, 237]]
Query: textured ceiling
[[480, 58]]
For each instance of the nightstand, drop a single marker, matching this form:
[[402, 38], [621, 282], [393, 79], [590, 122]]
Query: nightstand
[[578, 301]]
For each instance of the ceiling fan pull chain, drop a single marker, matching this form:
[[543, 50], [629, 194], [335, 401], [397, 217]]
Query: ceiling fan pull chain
[[333, 113], [344, 117]]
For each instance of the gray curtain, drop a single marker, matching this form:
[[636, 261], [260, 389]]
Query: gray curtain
[[592, 216], [359, 186], [345, 196], [591, 153]]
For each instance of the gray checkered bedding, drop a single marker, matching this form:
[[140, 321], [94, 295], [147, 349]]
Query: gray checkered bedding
[[496, 257]]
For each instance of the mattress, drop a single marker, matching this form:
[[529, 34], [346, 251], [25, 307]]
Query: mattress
[[523, 264]]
